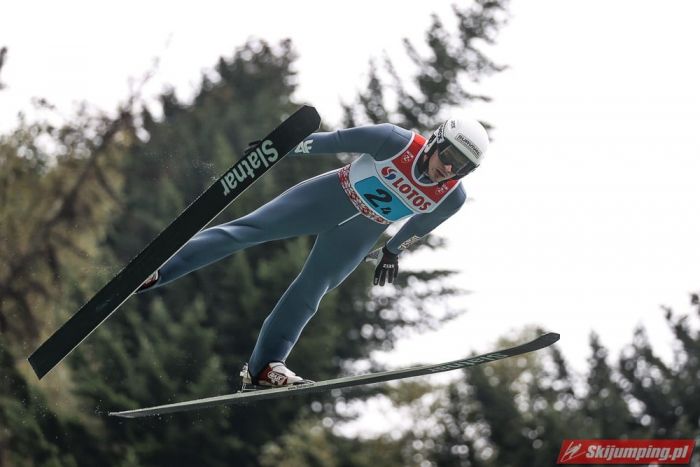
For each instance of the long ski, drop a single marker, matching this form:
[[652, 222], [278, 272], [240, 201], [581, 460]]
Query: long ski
[[194, 218], [541, 342]]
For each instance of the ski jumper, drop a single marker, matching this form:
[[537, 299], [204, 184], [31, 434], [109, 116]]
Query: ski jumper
[[346, 209]]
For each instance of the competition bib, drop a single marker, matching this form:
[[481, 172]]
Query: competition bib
[[388, 191]]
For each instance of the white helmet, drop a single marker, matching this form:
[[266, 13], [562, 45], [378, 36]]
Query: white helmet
[[460, 143]]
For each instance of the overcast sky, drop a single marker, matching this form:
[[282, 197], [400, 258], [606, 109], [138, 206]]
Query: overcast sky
[[585, 214]]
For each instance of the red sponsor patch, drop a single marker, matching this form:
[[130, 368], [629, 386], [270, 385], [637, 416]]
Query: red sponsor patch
[[404, 164], [626, 451]]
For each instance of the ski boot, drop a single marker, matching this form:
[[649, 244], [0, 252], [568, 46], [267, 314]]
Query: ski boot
[[149, 282], [274, 375]]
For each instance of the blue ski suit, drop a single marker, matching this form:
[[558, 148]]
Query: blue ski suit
[[346, 209]]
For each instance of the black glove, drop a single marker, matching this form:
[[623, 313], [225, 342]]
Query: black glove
[[387, 269], [250, 147]]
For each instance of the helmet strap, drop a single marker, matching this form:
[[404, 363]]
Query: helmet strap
[[423, 157]]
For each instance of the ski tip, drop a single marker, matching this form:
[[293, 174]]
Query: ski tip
[[550, 338], [310, 113]]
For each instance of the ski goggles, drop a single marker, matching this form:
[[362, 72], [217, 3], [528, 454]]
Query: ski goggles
[[461, 164]]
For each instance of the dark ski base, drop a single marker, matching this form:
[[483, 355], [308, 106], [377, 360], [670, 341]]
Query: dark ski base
[[254, 396], [194, 218]]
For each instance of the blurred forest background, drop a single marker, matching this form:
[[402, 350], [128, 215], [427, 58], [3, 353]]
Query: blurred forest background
[[79, 199]]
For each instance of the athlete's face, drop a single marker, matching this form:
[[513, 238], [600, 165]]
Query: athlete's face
[[437, 170]]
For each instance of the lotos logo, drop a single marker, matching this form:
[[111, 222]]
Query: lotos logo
[[408, 192], [405, 189], [388, 173]]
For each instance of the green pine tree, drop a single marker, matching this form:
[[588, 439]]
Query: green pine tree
[[666, 390], [607, 412]]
